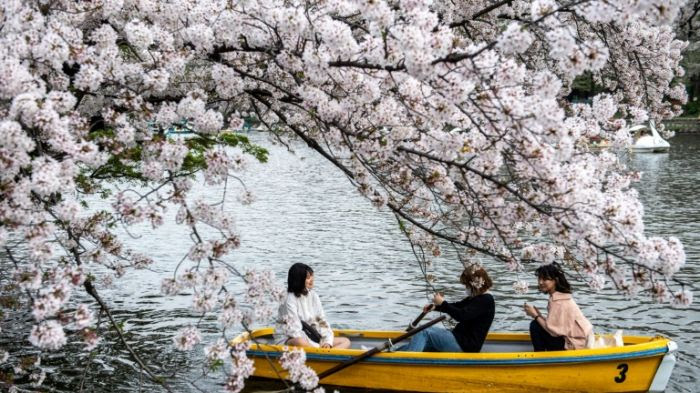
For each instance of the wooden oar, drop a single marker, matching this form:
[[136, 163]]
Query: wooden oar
[[380, 348], [413, 324]]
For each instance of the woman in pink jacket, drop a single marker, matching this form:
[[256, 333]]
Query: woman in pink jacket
[[564, 327]]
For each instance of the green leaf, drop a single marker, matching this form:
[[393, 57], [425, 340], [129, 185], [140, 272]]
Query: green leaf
[[242, 141], [216, 365], [105, 133], [194, 160]]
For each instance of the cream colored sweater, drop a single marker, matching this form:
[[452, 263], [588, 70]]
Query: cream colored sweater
[[308, 308]]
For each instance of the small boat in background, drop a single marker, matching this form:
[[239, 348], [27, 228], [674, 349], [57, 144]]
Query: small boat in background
[[505, 364], [597, 142], [647, 139]]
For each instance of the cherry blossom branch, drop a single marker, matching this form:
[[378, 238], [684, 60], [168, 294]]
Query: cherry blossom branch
[[481, 13], [541, 210]]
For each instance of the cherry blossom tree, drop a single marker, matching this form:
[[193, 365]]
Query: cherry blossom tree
[[687, 29], [451, 114]]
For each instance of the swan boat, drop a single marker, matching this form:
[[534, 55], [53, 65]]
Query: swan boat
[[647, 139], [506, 364]]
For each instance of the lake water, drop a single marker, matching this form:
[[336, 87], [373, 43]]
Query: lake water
[[366, 273]]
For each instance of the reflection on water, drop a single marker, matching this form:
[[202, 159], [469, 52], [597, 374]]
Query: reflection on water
[[366, 273]]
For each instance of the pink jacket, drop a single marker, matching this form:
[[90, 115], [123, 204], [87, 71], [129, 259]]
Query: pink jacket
[[564, 318]]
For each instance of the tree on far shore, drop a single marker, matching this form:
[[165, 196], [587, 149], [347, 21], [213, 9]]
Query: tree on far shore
[[687, 25]]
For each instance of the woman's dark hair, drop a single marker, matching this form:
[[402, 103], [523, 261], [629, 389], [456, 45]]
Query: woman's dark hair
[[296, 279], [553, 271], [476, 279]]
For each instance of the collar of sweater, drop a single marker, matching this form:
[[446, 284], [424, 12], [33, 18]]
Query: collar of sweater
[[559, 296]]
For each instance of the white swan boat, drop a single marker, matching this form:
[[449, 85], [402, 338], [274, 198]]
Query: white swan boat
[[647, 139]]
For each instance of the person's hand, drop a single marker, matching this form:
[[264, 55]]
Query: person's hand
[[438, 299], [326, 345], [428, 308], [531, 310]]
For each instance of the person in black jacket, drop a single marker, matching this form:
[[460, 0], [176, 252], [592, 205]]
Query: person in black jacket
[[474, 315]]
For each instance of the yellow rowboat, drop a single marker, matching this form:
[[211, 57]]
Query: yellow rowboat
[[506, 364]]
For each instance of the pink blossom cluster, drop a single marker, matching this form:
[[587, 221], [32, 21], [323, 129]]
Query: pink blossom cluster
[[241, 368], [682, 298], [48, 335], [186, 338], [217, 351], [520, 287], [230, 315], [294, 361], [264, 293]]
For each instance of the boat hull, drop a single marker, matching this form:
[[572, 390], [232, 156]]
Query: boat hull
[[631, 368], [658, 149]]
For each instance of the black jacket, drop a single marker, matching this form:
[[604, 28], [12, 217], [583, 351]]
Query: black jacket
[[474, 315]]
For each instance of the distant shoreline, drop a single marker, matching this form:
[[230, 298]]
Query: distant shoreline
[[683, 125]]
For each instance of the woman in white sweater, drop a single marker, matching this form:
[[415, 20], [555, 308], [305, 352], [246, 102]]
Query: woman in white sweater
[[303, 306]]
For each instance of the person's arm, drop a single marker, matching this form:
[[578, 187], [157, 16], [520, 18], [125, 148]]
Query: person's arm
[[549, 323], [324, 326], [464, 310], [542, 321]]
